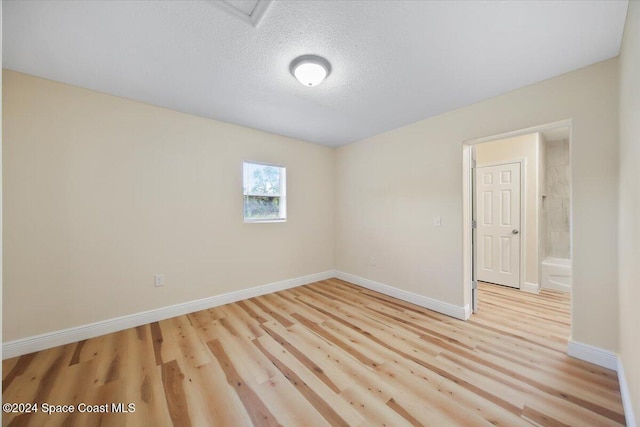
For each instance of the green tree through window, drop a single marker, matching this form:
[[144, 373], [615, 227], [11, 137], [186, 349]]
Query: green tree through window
[[266, 180]]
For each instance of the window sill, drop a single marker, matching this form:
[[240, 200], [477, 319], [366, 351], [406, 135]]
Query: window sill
[[261, 221]]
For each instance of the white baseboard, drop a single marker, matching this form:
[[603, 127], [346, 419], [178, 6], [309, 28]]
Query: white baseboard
[[456, 311], [532, 288], [53, 339], [555, 286], [597, 356], [609, 360], [467, 311], [626, 395]]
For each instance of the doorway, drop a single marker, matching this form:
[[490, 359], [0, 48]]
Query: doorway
[[501, 246]]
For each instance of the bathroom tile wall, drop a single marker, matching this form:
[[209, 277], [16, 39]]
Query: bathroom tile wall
[[557, 199]]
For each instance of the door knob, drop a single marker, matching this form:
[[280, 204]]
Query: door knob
[[514, 232]]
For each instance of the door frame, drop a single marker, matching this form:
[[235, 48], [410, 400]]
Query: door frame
[[523, 214], [468, 158]]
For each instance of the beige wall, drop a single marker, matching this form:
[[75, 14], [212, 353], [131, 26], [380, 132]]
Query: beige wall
[[101, 193], [389, 187], [514, 149], [629, 231]]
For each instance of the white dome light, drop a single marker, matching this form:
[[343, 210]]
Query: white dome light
[[310, 70]]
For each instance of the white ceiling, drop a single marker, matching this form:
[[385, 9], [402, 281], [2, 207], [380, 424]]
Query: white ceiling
[[393, 62], [245, 6]]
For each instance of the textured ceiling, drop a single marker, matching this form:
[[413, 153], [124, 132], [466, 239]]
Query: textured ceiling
[[245, 6], [393, 62]]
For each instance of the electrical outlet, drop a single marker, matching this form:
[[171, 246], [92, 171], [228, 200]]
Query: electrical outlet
[[437, 221], [158, 280]]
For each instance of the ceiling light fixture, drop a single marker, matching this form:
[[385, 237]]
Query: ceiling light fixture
[[310, 70]]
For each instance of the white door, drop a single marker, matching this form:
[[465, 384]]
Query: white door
[[498, 224]]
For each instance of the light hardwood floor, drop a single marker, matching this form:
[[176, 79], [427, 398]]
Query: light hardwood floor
[[329, 353]]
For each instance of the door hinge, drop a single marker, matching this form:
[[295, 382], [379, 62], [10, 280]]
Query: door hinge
[[474, 285], [473, 163], [473, 223]]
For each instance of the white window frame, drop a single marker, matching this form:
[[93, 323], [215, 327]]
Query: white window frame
[[282, 215]]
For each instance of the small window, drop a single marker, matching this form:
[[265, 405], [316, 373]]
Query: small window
[[264, 188]]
